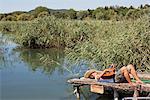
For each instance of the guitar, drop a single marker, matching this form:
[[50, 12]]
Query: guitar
[[109, 73]]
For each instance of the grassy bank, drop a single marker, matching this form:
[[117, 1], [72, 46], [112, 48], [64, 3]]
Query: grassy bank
[[101, 42]]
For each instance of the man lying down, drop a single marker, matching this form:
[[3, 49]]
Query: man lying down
[[109, 75]]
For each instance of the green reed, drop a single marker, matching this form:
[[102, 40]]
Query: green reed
[[100, 42]]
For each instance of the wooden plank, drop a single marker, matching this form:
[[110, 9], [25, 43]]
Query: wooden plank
[[120, 86]]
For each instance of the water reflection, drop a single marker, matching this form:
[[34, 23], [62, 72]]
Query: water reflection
[[22, 78], [38, 74], [7, 56], [46, 60]]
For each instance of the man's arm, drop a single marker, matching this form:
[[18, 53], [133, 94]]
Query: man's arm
[[99, 75]]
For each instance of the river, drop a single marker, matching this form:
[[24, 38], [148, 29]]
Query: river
[[38, 74]]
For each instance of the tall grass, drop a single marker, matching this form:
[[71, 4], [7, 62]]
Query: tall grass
[[122, 43], [100, 42]]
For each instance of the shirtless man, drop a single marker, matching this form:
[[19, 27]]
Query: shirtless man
[[122, 75]]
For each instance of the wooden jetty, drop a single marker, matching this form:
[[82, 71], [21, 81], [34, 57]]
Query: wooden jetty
[[116, 86]]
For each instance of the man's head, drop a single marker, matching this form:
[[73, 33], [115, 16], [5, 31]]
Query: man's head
[[90, 73]]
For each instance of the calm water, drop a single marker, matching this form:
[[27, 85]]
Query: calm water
[[38, 75]]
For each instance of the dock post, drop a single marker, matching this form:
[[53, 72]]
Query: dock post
[[148, 95], [116, 95], [136, 92], [77, 91]]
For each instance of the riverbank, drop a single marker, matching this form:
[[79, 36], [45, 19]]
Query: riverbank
[[101, 42]]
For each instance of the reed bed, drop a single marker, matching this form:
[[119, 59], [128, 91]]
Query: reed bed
[[99, 42]]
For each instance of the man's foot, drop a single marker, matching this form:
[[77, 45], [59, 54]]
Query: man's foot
[[139, 82], [132, 84]]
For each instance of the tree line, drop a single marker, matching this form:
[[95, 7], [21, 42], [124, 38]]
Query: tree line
[[100, 13]]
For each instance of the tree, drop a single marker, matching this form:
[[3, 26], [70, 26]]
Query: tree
[[98, 13], [121, 11], [43, 14], [147, 6], [2, 16], [134, 13], [59, 14], [39, 10], [131, 7], [141, 6], [90, 12], [9, 18], [82, 14], [25, 17], [109, 14], [16, 13], [71, 14]]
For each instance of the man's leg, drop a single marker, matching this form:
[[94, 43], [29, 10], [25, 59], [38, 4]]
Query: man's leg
[[134, 73], [125, 72]]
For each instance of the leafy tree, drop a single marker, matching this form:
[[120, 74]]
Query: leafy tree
[[9, 18], [141, 6], [43, 14], [71, 14], [39, 10], [131, 7], [90, 12], [59, 14], [146, 6], [2, 16], [103, 13], [16, 13], [25, 17], [134, 14], [97, 13], [121, 11], [82, 14], [109, 14]]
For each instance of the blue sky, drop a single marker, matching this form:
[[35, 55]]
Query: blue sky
[[26, 5]]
